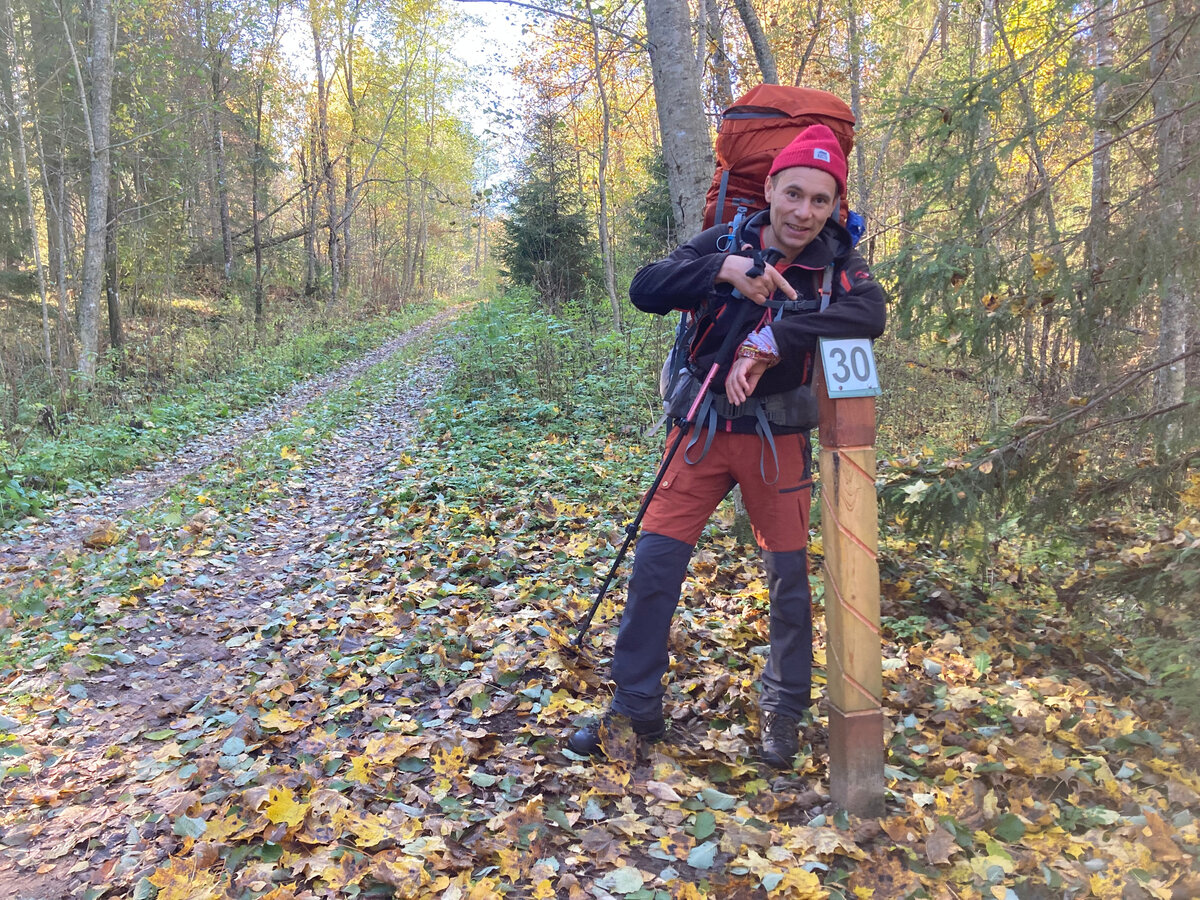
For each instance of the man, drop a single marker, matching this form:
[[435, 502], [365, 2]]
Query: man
[[756, 435]]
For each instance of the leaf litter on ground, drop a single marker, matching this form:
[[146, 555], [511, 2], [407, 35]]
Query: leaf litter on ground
[[354, 676]]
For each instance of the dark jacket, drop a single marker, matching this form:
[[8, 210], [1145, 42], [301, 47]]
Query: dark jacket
[[686, 280]]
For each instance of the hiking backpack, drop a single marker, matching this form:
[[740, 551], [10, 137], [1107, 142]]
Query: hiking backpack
[[754, 129], [751, 133]]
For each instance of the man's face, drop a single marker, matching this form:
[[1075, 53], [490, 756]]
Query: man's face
[[801, 201]]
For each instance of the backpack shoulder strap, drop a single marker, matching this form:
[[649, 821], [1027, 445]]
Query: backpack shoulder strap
[[826, 287]]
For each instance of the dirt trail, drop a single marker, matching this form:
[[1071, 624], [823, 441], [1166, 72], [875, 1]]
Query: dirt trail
[[25, 548], [94, 813]]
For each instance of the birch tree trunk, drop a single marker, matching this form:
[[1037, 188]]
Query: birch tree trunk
[[99, 112], [758, 40], [987, 41], [687, 145]]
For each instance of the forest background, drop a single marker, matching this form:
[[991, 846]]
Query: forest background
[[188, 186], [192, 217]]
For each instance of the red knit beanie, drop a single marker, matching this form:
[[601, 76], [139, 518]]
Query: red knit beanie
[[817, 148]]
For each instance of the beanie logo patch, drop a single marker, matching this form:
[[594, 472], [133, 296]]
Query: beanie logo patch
[[820, 154]]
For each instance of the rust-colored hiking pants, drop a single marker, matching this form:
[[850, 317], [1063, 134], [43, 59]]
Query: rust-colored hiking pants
[[673, 523], [778, 505]]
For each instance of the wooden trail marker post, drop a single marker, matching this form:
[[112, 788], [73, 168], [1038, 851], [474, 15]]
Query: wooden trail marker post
[[847, 384]]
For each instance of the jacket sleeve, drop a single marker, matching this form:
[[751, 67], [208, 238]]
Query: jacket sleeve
[[858, 308], [683, 280]]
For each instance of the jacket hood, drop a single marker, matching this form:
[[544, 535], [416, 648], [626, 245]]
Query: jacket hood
[[831, 244]]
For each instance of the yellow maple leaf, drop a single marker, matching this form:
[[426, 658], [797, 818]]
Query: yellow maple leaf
[[485, 889], [181, 880], [367, 830], [451, 763], [224, 827], [285, 809], [799, 884], [360, 770], [279, 719], [544, 890]]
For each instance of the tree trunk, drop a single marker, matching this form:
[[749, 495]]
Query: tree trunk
[[758, 40], [308, 171], [256, 166], [1092, 331], [326, 163], [352, 147], [687, 145], [255, 219], [99, 107], [722, 67], [606, 249], [1175, 301], [219, 164], [17, 118], [814, 34], [54, 192], [13, 227], [112, 286], [409, 266], [863, 200]]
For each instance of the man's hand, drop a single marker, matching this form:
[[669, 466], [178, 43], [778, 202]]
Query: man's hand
[[743, 378], [760, 289]]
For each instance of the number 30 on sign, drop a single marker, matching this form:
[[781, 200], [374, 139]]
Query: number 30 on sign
[[849, 365]]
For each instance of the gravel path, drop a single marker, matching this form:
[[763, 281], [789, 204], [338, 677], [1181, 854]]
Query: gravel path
[[25, 548], [94, 812]]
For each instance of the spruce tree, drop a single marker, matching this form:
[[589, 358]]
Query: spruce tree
[[546, 242]]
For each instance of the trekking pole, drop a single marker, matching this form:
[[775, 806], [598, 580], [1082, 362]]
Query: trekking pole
[[768, 258]]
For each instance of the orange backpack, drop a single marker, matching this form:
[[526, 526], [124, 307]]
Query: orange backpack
[[752, 131]]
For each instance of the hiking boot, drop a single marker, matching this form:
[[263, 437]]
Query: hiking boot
[[780, 739], [587, 740]]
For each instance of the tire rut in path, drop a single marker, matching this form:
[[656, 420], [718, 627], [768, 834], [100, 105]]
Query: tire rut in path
[[81, 817]]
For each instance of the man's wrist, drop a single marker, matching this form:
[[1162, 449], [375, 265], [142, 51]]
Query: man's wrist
[[749, 351], [760, 345]]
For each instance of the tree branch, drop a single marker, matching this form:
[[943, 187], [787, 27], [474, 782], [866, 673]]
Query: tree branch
[[637, 42]]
